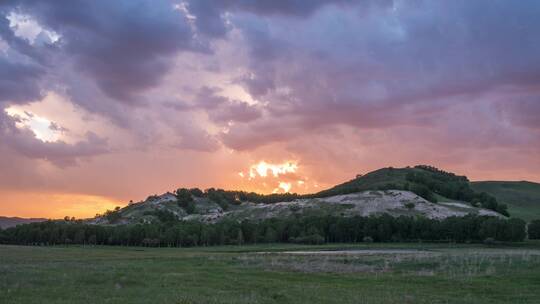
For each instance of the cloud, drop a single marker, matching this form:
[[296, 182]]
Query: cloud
[[523, 111], [195, 138], [123, 53], [396, 65], [24, 142], [193, 91], [221, 110], [19, 82]]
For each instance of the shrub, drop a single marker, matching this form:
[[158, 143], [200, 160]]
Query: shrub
[[367, 239], [409, 205], [424, 192]]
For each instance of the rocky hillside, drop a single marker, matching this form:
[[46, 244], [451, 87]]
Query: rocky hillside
[[431, 183], [167, 207], [412, 191]]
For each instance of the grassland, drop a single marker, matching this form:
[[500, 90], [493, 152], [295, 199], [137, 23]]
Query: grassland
[[374, 273], [522, 198]]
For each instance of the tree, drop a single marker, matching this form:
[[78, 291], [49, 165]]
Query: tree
[[534, 230], [240, 238], [515, 230], [185, 200], [270, 236], [314, 229], [196, 192], [423, 191], [113, 215]]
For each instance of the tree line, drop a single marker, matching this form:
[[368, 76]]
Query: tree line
[[306, 229]]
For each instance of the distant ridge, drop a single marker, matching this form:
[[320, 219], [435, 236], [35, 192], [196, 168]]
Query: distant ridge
[[7, 222]]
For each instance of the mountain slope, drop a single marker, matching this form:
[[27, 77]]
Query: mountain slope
[[166, 208], [522, 198], [419, 191], [433, 184], [378, 179], [7, 222]]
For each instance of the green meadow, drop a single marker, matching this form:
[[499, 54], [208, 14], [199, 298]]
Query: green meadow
[[522, 198], [358, 273]]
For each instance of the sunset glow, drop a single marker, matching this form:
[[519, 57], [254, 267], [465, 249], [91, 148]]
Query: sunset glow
[[262, 168], [285, 187], [57, 205], [275, 177]]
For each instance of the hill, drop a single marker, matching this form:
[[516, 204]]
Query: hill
[[407, 204], [420, 191], [432, 184], [522, 198], [7, 222], [167, 207]]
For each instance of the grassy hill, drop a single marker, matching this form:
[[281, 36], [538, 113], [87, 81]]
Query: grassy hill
[[382, 179], [432, 184], [522, 198]]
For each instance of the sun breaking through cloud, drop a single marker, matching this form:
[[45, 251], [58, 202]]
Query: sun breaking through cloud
[[262, 169], [280, 177], [43, 129]]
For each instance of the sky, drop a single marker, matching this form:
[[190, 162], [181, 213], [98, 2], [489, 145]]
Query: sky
[[103, 102]]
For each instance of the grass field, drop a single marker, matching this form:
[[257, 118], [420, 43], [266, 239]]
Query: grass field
[[522, 198], [373, 273]]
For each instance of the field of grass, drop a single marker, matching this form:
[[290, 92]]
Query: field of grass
[[522, 198], [372, 273]]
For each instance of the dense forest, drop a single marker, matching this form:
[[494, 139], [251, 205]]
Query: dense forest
[[311, 230]]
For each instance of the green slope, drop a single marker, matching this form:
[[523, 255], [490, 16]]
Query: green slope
[[374, 180], [431, 183], [522, 198]]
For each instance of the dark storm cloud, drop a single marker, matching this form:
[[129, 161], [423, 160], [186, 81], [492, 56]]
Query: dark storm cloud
[[312, 64], [210, 20], [400, 64], [19, 44], [220, 110], [122, 45], [19, 82]]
